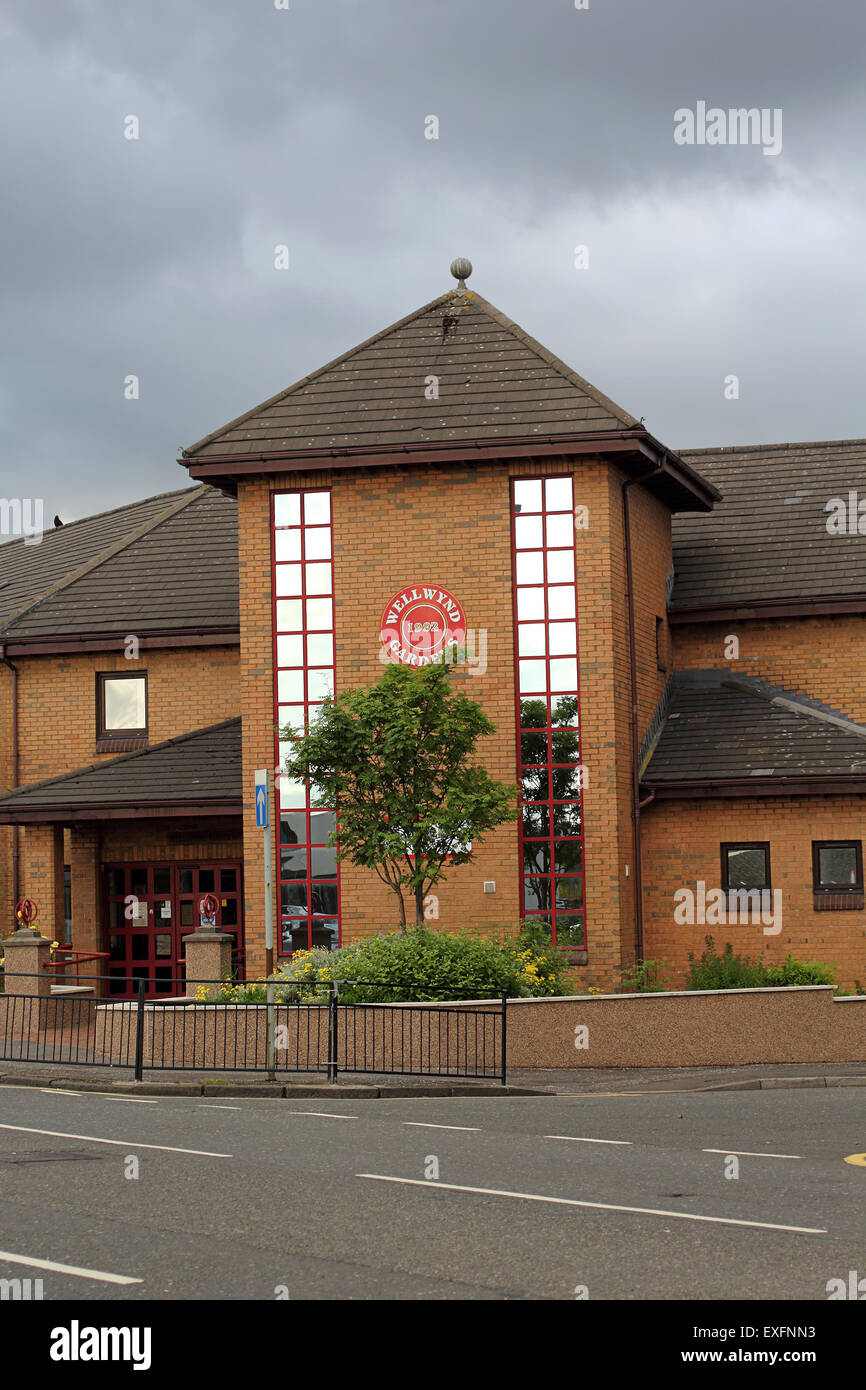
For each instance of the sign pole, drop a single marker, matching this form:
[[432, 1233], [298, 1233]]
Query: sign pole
[[263, 820]]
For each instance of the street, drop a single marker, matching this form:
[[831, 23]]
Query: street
[[599, 1196]]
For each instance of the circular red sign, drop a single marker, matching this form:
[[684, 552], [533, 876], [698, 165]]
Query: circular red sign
[[421, 625]]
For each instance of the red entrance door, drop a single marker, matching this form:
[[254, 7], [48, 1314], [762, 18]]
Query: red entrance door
[[149, 909]]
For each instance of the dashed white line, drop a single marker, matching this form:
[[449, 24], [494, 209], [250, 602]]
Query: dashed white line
[[597, 1206], [744, 1153], [204, 1106], [577, 1139], [122, 1143], [6, 1257], [423, 1124], [323, 1114]]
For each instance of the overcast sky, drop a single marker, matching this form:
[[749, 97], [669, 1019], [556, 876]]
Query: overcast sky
[[261, 126]]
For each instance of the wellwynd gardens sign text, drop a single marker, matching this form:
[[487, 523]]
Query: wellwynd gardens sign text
[[422, 625]]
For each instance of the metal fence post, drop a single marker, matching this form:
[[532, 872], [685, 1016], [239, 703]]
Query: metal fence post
[[332, 1032], [504, 1033], [139, 1032]]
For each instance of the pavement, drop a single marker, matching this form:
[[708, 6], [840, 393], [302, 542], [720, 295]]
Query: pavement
[[687, 1194]]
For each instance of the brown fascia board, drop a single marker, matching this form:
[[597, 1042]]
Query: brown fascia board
[[121, 810], [636, 443], [744, 787], [94, 563], [49, 646], [800, 606]]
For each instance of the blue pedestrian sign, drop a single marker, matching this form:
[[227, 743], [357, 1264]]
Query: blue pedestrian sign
[[262, 798]]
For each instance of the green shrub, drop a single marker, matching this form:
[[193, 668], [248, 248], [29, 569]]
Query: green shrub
[[730, 971], [645, 977]]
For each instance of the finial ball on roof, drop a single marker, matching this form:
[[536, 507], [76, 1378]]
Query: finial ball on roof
[[461, 269]]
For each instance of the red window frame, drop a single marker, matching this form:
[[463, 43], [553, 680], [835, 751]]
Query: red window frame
[[551, 820], [292, 632]]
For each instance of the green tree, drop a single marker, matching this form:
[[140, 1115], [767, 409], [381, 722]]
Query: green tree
[[395, 761]]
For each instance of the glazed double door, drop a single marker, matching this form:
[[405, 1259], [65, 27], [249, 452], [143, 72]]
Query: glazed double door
[[149, 908]]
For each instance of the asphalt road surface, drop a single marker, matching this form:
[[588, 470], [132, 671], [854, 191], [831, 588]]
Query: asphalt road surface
[[604, 1196]]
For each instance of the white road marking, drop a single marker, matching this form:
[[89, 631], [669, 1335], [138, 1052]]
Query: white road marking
[[56, 1091], [598, 1206], [422, 1124], [204, 1106], [744, 1153], [126, 1100], [323, 1114], [123, 1143], [7, 1258], [575, 1139]]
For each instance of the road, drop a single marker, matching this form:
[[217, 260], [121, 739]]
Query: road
[[623, 1197]]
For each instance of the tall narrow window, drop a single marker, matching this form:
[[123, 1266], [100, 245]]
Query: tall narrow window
[[551, 781], [303, 597]]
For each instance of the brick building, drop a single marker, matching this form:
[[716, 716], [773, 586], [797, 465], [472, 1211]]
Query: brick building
[[668, 644]]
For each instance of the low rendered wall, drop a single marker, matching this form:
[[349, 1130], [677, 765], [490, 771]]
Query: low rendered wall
[[707, 1028]]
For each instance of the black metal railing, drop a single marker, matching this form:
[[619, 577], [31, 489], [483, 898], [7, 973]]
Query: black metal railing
[[330, 1028]]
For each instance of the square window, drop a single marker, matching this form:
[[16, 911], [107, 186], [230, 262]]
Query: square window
[[287, 580], [320, 684], [536, 856], [290, 687], [317, 508], [564, 712], [533, 748], [566, 783], [527, 495], [570, 931], [560, 601], [292, 794], [293, 863], [318, 578], [122, 704], [530, 604], [566, 819], [320, 614], [293, 828], [290, 651], [565, 748], [317, 543], [563, 639], [563, 673], [569, 894], [529, 567], [746, 865], [535, 782], [287, 545], [287, 509], [558, 494], [536, 894], [289, 615], [324, 863], [291, 717], [528, 534], [530, 639], [532, 676], [320, 649], [560, 567], [322, 825], [536, 820], [837, 866], [567, 856], [559, 529], [533, 713]]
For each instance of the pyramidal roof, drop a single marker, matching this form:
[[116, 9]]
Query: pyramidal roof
[[456, 369]]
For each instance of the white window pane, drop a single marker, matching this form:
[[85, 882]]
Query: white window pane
[[318, 578], [527, 496], [317, 507], [320, 684], [317, 543], [560, 567], [290, 651], [532, 676], [313, 712], [528, 532], [530, 603], [289, 615], [287, 509], [563, 674], [560, 601], [557, 494], [292, 794], [286, 751], [320, 613], [530, 639], [291, 717], [124, 703], [287, 545], [288, 580], [320, 650], [559, 529], [563, 639], [290, 687], [529, 567]]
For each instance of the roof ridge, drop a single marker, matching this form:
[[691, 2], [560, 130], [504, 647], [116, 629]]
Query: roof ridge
[[800, 704], [95, 516], [571, 376], [186, 498], [721, 449], [311, 376], [121, 758]]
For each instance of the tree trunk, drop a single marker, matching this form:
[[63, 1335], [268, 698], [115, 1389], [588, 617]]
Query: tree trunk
[[419, 906], [402, 908]]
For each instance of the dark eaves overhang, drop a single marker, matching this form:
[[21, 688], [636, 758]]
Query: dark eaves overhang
[[795, 606], [635, 450], [47, 645], [34, 814], [742, 787]]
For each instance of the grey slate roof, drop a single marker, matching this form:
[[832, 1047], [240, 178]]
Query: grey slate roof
[[167, 564], [201, 766], [767, 539], [495, 381], [718, 726]]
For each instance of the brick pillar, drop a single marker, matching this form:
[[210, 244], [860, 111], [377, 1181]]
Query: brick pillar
[[208, 958], [42, 876], [84, 862], [26, 952]]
